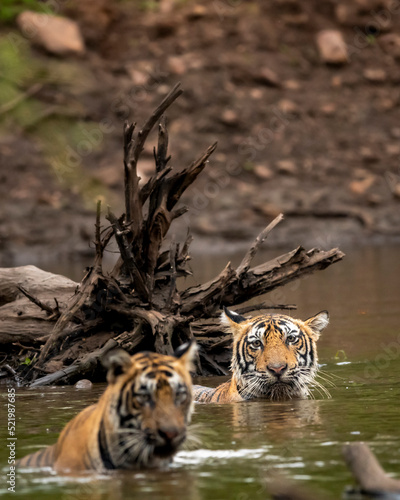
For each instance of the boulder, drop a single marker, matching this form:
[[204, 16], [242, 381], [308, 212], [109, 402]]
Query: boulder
[[58, 35]]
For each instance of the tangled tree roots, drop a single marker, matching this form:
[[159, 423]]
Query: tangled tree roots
[[138, 305]]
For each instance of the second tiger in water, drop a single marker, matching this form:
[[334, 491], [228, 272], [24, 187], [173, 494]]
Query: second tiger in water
[[274, 357]]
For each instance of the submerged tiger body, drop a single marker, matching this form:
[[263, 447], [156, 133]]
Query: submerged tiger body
[[274, 357], [139, 421]]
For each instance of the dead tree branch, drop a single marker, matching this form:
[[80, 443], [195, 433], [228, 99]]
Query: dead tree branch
[[139, 305]]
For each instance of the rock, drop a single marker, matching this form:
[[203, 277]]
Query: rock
[[368, 155], [359, 187], [337, 81], [197, 12], [83, 384], [256, 93], [395, 190], [286, 167], [58, 35], [393, 149], [390, 43], [374, 199], [328, 109], [375, 75], [268, 77], [176, 65], [288, 107], [263, 172], [291, 85], [230, 117], [332, 47]]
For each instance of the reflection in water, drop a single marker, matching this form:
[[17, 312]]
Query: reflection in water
[[278, 422]]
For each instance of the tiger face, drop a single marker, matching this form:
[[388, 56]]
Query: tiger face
[[140, 420], [151, 407], [274, 356]]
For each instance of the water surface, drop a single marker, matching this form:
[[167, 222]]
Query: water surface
[[246, 444]]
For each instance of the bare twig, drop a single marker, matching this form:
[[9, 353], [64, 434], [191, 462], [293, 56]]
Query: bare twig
[[38, 302], [245, 264]]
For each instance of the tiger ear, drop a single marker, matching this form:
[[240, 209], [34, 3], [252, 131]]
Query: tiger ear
[[186, 354], [117, 363], [318, 322], [232, 320]]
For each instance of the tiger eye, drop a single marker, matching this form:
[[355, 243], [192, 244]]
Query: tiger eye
[[256, 344], [291, 338]]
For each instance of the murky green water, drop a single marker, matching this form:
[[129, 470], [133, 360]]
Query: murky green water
[[245, 444]]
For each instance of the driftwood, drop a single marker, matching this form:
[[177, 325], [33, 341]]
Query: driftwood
[[367, 471], [138, 304]]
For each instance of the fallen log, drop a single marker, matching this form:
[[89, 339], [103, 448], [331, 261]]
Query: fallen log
[[367, 471], [138, 304]]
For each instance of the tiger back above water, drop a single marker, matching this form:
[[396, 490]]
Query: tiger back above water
[[139, 421], [274, 357]]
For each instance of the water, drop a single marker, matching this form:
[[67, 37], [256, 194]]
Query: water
[[246, 444]]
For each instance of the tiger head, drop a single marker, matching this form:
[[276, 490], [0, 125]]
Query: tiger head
[[274, 356], [149, 405]]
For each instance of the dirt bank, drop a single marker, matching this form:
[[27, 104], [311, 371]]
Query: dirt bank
[[318, 142]]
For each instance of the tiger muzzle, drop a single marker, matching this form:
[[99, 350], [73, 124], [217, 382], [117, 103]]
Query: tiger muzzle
[[167, 439], [277, 369]]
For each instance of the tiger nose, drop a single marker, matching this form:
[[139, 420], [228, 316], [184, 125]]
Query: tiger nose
[[168, 434], [277, 369]]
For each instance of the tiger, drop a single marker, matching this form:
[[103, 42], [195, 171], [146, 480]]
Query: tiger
[[274, 357], [139, 421]]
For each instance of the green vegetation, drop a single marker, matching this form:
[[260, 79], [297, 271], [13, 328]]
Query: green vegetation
[[59, 130], [9, 9]]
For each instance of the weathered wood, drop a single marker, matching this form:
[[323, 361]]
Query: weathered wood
[[367, 471]]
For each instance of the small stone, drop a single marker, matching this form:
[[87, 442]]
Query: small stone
[[288, 107], [393, 149], [374, 199], [229, 117], [368, 155], [336, 81], [386, 104], [332, 47], [197, 12], [138, 77], [83, 384], [58, 35], [268, 77], [396, 190], [176, 65], [328, 109], [375, 75], [291, 85], [286, 167], [346, 14], [390, 43], [263, 172], [256, 93], [359, 187]]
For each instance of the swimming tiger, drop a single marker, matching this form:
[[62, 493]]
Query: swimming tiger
[[140, 420], [274, 357]]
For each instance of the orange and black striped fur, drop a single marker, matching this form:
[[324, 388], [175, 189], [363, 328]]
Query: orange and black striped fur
[[139, 421], [274, 357]]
